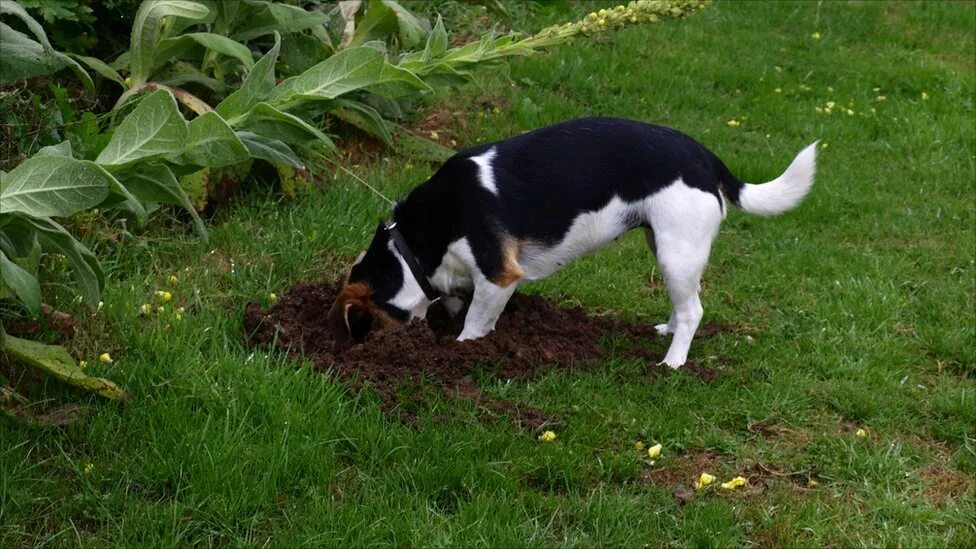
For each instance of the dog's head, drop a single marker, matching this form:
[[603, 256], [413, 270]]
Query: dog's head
[[363, 304]]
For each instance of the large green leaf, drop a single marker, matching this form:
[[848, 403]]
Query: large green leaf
[[153, 129], [56, 361], [23, 57], [267, 148], [101, 68], [156, 183], [120, 197], [363, 117], [349, 70], [281, 18], [147, 31], [9, 7], [263, 119], [436, 45], [377, 23], [49, 185], [23, 283], [174, 47], [212, 143], [412, 29], [256, 87], [53, 238]]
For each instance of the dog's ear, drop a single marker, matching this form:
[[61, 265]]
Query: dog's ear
[[358, 320], [351, 316]]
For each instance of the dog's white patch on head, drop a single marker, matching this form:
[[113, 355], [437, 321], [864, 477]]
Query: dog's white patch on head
[[589, 232], [486, 172]]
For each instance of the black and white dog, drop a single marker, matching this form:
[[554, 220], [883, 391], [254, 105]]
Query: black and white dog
[[498, 215]]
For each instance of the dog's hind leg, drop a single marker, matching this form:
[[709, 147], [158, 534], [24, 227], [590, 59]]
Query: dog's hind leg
[[684, 221], [668, 328]]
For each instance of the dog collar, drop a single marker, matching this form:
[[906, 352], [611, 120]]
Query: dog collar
[[412, 262]]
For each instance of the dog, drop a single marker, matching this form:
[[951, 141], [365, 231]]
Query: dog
[[498, 215]]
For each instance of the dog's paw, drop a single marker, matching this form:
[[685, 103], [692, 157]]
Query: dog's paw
[[672, 365], [663, 329]]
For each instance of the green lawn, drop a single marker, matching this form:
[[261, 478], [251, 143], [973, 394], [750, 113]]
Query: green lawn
[[854, 311]]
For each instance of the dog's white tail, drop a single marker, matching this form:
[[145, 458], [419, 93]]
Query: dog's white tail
[[780, 194]]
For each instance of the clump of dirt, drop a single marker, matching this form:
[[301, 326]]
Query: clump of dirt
[[532, 335]]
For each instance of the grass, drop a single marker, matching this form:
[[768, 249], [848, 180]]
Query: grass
[[854, 311]]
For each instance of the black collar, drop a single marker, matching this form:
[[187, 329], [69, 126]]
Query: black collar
[[412, 262]]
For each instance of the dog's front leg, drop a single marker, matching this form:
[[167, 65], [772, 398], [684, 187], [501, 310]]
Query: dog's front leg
[[486, 306]]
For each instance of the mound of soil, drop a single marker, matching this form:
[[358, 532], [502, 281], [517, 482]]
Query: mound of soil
[[533, 335]]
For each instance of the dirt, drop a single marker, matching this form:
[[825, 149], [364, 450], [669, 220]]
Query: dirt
[[404, 364]]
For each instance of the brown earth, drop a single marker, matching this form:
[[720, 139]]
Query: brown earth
[[401, 364]]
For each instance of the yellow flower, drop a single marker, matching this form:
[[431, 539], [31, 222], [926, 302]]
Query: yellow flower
[[654, 451], [850, 112], [434, 136], [547, 436], [830, 89], [925, 96], [173, 280], [82, 364], [638, 446], [735, 483], [778, 68], [876, 90], [273, 297], [830, 104], [601, 22], [145, 309], [827, 110], [105, 358], [880, 98], [778, 90], [862, 433], [164, 295], [812, 483], [704, 481], [815, 36], [89, 468], [733, 123], [824, 145]]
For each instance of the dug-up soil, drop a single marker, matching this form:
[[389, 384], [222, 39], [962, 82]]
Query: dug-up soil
[[401, 364]]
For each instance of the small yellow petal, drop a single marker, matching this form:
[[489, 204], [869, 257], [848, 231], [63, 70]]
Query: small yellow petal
[[880, 98], [862, 433], [824, 145], [105, 358], [638, 446], [925, 96], [273, 297], [547, 436], [172, 279], [145, 309], [704, 481], [654, 451], [815, 36], [82, 364], [735, 483], [778, 90]]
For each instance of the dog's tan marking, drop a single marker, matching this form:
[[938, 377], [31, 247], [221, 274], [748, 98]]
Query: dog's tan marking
[[511, 270]]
